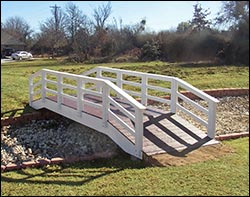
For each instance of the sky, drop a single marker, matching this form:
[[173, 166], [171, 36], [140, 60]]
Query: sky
[[159, 15]]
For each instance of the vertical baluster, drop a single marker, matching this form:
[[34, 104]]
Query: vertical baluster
[[144, 90], [138, 132], [59, 90], [105, 104], [211, 119], [174, 99], [79, 96], [31, 91], [43, 86]]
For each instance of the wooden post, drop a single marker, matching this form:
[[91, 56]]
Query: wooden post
[[138, 132], [59, 90], [31, 91], [79, 96], [211, 119], [119, 79], [174, 89], [105, 104], [43, 86], [144, 90], [99, 76]]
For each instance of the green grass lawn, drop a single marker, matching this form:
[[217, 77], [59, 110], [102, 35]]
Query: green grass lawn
[[14, 77], [225, 176]]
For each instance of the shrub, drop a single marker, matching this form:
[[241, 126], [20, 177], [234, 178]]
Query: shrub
[[150, 51]]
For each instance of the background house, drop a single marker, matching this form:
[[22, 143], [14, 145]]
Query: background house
[[10, 44]]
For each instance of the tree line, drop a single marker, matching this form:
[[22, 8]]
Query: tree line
[[69, 32]]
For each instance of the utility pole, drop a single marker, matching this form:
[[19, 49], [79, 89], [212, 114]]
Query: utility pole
[[56, 27], [55, 15]]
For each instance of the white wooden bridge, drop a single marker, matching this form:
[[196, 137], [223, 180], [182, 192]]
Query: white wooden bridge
[[100, 99]]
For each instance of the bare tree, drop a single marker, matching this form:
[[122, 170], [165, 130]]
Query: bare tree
[[75, 20], [18, 27], [54, 31], [101, 14]]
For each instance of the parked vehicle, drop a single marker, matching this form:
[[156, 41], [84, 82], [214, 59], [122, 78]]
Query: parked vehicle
[[19, 55], [7, 52]]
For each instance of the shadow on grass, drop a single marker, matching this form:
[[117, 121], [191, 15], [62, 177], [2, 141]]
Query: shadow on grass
[[74, 174], [21, 111], [205, 64]]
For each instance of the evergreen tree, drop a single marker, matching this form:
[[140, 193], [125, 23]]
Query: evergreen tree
[[199, 21]]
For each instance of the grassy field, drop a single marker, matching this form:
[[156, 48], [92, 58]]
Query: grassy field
[[14, 77], [225, 176]]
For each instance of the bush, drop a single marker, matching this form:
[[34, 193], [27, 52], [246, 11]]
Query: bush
[[150, 51]]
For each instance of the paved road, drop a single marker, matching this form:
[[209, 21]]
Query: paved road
[[7, 60]]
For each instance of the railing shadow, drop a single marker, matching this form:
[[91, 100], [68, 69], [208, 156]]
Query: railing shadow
[[180, 152], [75, 174], [11, 113]]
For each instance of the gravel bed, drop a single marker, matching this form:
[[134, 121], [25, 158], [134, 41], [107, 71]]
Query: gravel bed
[[63, 137], [232, 114], [51, 138]]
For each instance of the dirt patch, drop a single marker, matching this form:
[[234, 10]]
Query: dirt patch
[[199, 155]]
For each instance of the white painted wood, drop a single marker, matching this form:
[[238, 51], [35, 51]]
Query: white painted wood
[[161, 100], [88, 72], [31, 88], [59, 90], [43, 86], [200, 120], [133, 93], [139, 132], [131, 83], [196, 105], [104, 87], [51, 81], [38, 104], [91, 104], [50, 91], [99, 75], [73, 98], [211, 119], [109, 78], [92, 122], [79, 96], [94, 93], [166, 90], [119, 80], [36, 84], [122, 109], [124, 95], [196, 91], [144, 90], [122, 123], [64, 85], [83, 94], [174, 99], [105, 105]]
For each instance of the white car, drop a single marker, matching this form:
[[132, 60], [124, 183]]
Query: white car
[[19, 55]]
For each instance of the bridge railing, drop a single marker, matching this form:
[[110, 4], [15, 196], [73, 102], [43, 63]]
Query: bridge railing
[[58, 86], [148, 87]]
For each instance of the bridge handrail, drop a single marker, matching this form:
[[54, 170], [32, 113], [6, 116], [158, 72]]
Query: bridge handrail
[[105, 87], [176, 83]]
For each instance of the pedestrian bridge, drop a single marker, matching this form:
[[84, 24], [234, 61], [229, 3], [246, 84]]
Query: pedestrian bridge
[[120, 104]]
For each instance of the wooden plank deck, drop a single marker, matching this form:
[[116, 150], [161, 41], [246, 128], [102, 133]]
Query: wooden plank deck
[[164, 132]]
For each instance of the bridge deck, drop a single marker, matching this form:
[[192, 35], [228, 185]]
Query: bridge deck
[[164, 132]]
